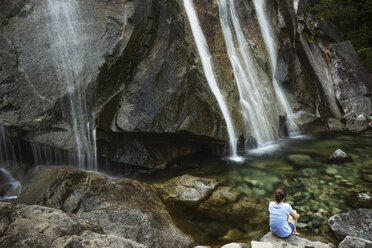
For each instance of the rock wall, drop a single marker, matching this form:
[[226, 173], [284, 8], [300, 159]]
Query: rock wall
[[144, 75]]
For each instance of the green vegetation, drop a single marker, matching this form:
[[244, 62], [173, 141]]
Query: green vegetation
[[355, 17], [313, 35]]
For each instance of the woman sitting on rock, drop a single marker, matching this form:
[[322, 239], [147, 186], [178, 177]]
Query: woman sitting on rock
[[283, 218]]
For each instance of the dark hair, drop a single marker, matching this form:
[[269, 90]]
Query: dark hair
[[280, 194]]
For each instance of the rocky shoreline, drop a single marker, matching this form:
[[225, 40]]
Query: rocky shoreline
[[65, 207]]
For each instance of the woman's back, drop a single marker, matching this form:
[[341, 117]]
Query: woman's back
[[278, 219]]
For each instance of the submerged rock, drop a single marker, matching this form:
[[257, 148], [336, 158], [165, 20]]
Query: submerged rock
[[186, 189], [302, 160], [353, 242], [355, 223], [339, 156], [366, 173], [270, 241], [336, 125], [119, 207]]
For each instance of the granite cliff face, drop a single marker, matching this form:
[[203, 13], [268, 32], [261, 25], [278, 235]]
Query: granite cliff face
[[143, 75]]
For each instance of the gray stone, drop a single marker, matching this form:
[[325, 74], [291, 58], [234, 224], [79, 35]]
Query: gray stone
[[353, 83], [355, 223], [186, 189], [309, 123], [270, 241], [34, 226], [336, 125], [90, 239], [119, 207], [360, 124], [236, 245], [339, 156], [229, 204], [354, 242]]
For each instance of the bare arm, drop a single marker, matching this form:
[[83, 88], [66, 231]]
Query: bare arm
[[295, 215]]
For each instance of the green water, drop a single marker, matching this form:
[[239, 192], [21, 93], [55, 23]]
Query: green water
[[317, 188]]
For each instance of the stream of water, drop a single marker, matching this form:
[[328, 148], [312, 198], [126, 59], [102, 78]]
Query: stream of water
[[207, 63], [67, 40], [271, 46], [255, 90]]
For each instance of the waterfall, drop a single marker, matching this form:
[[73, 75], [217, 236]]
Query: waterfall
[[6, 147], [269, 38], [9, 187], [67, 43], [295, 5], [255, 90], [206, 60]]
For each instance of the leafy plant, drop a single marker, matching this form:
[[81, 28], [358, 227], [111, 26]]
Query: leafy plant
[[313, 35]]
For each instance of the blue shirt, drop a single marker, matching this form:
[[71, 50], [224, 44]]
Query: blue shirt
[[278, 219]]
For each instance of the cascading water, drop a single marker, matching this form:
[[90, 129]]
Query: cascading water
[[9, 187], [67, 41], [6, 147], [206, 60], [295, 5], [269, 38], [255, 90]]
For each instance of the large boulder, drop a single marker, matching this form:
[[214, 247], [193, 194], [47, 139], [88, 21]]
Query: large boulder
[[37, 226], [355, 223], [270, 241], [353, 83], [360, 124], [353, 242], [119, 207], [186, 189], [90, 239], [336, 125], [229, 204], [34, 226]]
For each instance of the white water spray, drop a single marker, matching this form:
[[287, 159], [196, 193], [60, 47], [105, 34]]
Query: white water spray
[[255, 90], [9, 187], [67, 45], [206, 60], [269, 38]]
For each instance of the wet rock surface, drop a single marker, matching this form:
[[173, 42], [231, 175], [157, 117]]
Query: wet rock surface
[[353, 242], [270, 241], [120, 207], [356, 223]]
